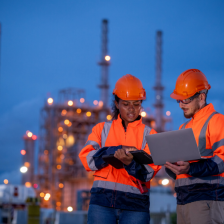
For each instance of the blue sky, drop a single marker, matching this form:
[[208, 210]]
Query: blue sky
[[50, 45]]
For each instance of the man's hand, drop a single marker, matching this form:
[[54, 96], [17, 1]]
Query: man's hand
[[181, 167], [124, 156]]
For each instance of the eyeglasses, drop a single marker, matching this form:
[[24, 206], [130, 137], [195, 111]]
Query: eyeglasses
[[188, 100]]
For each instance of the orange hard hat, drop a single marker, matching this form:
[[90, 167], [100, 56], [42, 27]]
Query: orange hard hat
[[188, 83], [128, 87]]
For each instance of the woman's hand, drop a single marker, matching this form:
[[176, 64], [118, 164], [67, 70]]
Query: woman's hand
[[124, 155]]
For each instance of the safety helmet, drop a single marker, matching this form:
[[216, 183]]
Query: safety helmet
[[189, 83], [128, 87]]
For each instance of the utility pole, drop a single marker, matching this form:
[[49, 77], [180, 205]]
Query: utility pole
[[104, 63], [158, 86]]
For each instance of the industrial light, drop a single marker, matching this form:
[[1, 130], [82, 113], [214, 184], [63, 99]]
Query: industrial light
[[26, 164], [34, 137], [29, 134], [58, 167], [82, 100], [35, 185], [65, 136], [28, 184], [143, 114], [168, 113], [95, 102], [23, 152], [88, 114], [78, 111], [107, 58], [70, 103], [69, 124], [100, 103], [6, 181], [109, 117], [66, 121], [70, 209], [60, 147], [47, 197], [64, 112], [50, 101], [42, 194], [23, 169], [61, 185], [165, 182], [60, 129], [58, 203]]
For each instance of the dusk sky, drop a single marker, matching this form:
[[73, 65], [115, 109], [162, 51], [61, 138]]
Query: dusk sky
[[48, 45]]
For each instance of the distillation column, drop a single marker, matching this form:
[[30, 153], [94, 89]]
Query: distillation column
[[158, 86], [104, 63]]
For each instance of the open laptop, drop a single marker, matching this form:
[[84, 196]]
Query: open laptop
[[173, 146]]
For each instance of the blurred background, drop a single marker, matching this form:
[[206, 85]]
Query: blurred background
[[59, 62]]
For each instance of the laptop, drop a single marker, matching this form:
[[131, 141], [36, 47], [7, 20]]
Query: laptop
[[173, 146]]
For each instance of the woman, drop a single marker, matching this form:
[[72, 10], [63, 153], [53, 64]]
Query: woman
[[120, 194]]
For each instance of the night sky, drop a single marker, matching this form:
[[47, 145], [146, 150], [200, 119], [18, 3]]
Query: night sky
[[48, 45]]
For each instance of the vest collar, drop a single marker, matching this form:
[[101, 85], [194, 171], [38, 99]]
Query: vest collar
[[132, 124], [208, 109]]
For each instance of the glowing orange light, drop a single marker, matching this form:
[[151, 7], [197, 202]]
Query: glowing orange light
[[60, 129], [88, 114], [100, 103], [95, 102], [82, 100], [69, 124], [70, 103], [60, 147], [6, 181], [58, 167], [78, 111], [28, 184], [143, 114], [27, 164], [168, 113], [23, 152], [107, 58], [42, 194], [64, 112], [34, 137], [66, 121], [46, 152], [50, 101], [109, 117], [61, 185], [58, 203]]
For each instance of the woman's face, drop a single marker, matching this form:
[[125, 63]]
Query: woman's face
[[129, 109]]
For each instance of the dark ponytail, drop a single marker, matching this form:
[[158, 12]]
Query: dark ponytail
[[115, 111]]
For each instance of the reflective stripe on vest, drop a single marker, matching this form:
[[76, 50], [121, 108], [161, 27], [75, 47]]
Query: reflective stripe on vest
[[202, 137], [105, 132], [117, 186], [146, 132]]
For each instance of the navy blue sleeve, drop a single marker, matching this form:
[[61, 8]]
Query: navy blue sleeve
[[139, 171], [203, 168], [97, 157]]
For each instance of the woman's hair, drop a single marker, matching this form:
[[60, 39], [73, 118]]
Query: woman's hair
[[115, 111]]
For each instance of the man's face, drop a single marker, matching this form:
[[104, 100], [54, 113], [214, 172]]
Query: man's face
[[191, 108]]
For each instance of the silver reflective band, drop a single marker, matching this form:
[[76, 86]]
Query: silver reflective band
[[150, 174], [146, 132], [90, 160], [117, 187], [105, 132], [94, 144], [219, 163], [203, 180]]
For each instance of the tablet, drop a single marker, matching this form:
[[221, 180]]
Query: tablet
[[140, 156], [173, 146]]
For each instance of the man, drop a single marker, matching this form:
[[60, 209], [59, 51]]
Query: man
[[199, 184]]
